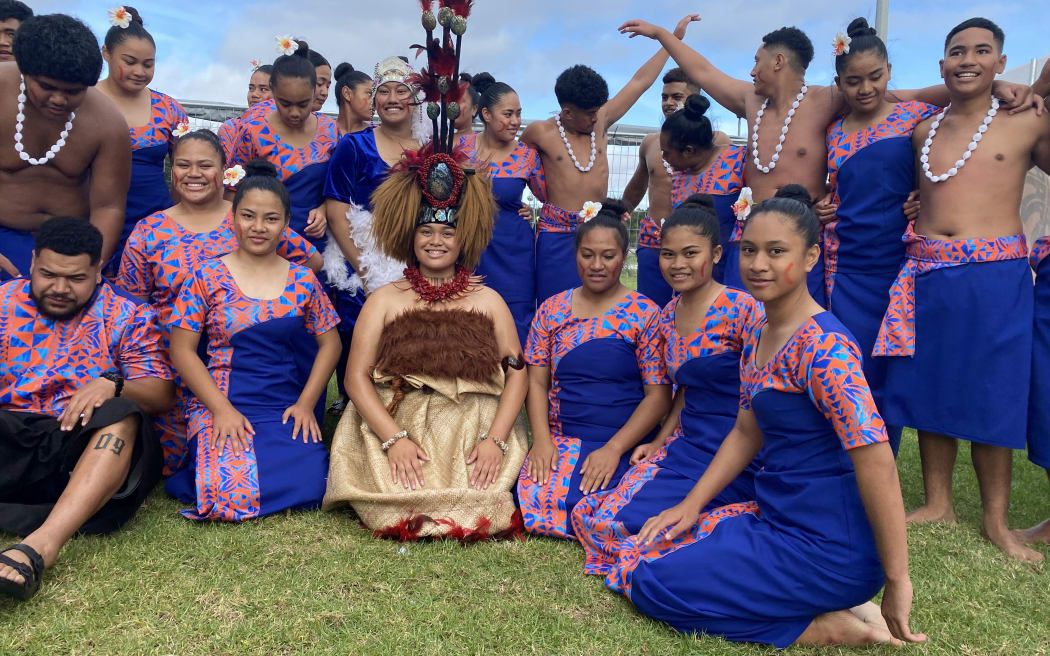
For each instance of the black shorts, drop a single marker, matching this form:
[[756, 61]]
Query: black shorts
[[37, 458]]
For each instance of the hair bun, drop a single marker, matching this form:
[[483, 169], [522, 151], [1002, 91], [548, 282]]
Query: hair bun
[[260, 168], [859, 27], [696, 106], [613, 207], [136, 17], [700, 201], [303, 50], [795, 192], [481, 82], [343, 69]]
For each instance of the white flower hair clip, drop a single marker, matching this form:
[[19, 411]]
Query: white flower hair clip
[[181, 129], [255, 64], [119, 17], [287, 45], [742, 206], [233, 175], [589, 211], [841, 44]]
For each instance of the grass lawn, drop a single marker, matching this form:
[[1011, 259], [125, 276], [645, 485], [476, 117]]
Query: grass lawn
[[317, 583]]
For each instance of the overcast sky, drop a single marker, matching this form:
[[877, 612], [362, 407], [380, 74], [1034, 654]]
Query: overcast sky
[[204, 50]]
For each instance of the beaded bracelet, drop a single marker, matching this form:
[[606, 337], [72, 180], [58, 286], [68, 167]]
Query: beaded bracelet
[[498, 442], [401, 434]]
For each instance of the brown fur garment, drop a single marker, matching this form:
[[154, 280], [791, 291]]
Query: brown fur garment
[[440, 343]]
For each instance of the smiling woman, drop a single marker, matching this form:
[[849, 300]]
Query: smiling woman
[[155, 120]]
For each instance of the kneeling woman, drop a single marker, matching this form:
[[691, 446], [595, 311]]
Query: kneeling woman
[[255, 443], [597, 381], [826, 529], [702, 331], [433, 442]]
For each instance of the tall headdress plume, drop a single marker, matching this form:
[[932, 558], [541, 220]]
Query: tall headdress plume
[[432, 185]]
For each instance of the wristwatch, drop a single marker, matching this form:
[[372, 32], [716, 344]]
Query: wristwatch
[[113, 376]]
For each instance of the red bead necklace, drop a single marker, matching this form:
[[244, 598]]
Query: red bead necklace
[[436, 293]]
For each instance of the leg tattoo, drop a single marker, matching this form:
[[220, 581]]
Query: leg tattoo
[[110, 441]]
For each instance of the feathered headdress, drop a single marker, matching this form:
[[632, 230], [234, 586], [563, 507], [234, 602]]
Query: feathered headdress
[[431, 185]]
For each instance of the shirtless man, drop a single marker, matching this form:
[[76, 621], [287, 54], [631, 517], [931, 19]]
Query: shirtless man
[[89, 173], [778, 80], [12, 13], [653, 176], [959, 327], [573, 148]]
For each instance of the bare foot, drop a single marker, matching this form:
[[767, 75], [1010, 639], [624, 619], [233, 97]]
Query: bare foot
[[1010, 545], [930, 515], [843, 627], [1040, 533], [871, 615]]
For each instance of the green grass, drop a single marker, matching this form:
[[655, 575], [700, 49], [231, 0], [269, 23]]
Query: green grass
[[317, 583]]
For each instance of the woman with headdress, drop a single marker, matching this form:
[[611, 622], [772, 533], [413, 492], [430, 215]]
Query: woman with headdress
[[297, 141], [258, 91], [597, 380], [509, 262], [156, 120], [434, 441], [165, 248], [254, 420], [354, 266]]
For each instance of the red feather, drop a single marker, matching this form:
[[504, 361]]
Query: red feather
[[404, 531], [460, 7], [426, 4]]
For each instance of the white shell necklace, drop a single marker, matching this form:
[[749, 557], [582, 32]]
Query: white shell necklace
[[572, 155], [667, 167], [50, 154], [783, 131], [977, 136]]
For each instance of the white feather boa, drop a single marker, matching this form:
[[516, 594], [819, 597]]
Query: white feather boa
[[377, 269]]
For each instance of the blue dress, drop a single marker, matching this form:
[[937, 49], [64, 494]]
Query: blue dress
[[598, 369], [253, 345], [150, 144], [871, 172], [706, 368], [761, 571], [508, 264], [1039, 397], [723, 179]]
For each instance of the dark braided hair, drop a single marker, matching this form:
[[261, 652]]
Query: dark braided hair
[[489, 91], [347, 77], [688, 126], [610, 216], [296, 65]]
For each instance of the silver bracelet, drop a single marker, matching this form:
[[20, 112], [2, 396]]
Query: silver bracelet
[[498, 442], [401, 434]]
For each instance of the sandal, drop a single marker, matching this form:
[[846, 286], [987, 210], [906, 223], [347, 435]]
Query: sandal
[[31, 572]]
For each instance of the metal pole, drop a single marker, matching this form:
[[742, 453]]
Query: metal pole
[[882, 18]]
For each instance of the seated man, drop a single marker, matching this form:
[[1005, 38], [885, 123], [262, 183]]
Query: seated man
[[80, 370], [12, 13], [66, 148]]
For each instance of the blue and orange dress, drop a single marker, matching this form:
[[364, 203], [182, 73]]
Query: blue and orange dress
[[159, 257], [1039, 397], [871, 172], [508, 264], [302, 170], [150, 145], [598, 369], [253, 345], [705, 367], [762, 570], [722, 179]]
